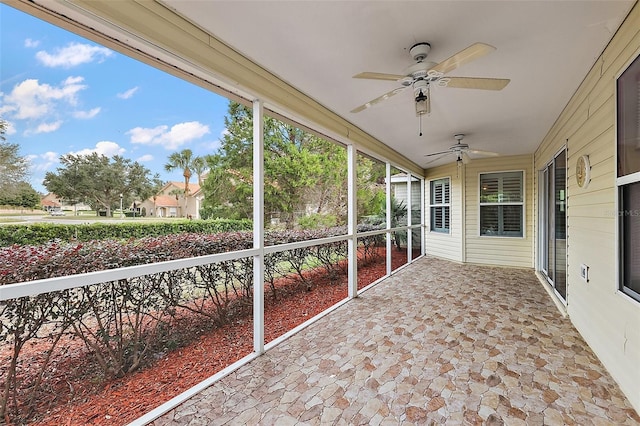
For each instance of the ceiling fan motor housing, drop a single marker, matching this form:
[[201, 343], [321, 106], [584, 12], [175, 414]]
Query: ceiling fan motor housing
[[419, 51]]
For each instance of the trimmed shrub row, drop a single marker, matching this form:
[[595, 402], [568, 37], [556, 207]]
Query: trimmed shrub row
[[41, 233], [124, 323]]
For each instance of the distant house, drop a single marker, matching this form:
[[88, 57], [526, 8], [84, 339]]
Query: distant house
[[170, 201], [399, 190], [51, 202]]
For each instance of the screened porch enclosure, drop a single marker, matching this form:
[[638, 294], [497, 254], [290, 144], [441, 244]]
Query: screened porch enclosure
[[499, 291]]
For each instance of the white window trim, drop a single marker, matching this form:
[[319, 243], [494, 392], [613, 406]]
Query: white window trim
[[523, 204], [448, 231]]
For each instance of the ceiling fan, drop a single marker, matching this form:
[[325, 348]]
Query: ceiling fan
[[461, 151], [421, 75]]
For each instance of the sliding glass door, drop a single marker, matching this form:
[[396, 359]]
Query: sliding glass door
[[553, 223]]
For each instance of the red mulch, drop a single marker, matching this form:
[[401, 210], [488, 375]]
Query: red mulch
[[120, 401]]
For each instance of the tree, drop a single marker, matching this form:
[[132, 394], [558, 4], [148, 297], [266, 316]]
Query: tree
[[300, 170], [199, 167], [228, 187], [3, 128], [14, 173], [372, 195], [183, 160], [99, 180], [22, 195], [14, 168], [398, 218]]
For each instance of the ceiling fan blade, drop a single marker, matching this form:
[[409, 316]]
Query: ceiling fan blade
[[438, 153], [379, 76], [439, 156], [485, 153], [477, 83], [466, 55], [378, 99]]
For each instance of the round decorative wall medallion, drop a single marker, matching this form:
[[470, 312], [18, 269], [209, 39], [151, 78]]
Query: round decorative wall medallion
[[583, 171]]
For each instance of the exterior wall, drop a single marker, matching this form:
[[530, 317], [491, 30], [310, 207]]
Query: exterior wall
[[399, 191], [607, 319], [503, 251], [447, 246], [167, 208]]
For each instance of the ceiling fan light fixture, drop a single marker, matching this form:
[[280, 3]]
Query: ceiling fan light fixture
[[423, 104]]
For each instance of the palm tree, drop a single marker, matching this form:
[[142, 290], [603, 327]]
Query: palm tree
[[199, 166], [182, 160], [398, 212]]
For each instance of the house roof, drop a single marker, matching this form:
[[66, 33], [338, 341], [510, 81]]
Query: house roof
[[166, 201], [49, 203], [193, 187]]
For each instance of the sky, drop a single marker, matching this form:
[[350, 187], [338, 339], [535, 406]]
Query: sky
[[63, 94]]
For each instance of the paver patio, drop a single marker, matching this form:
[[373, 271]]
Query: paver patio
[[437, 343]]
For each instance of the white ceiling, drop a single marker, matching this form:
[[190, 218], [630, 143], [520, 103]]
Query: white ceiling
[[545, 47]]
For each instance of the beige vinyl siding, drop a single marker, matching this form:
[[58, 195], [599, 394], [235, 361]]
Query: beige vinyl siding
[[446, 246], [607, 319], [502, 251], [400, 192]]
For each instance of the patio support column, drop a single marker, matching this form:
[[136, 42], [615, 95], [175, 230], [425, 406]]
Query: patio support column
[[409, 205], [352, 220], [388, 209], [258, 226], [463, 213]]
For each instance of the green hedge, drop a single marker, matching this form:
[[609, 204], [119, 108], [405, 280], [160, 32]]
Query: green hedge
[[41, 233]]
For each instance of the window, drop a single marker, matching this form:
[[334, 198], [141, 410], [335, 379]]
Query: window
[[502, 204], [628, 179], [440, 207]]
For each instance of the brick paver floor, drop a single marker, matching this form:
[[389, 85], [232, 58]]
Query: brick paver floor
[[436, 343]]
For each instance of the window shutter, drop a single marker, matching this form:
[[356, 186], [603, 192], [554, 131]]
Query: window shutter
[[501, 208], [489, 220], [489, 188], [446, 217], [512, 219], [512, 188], [439, 208], [437, 193]]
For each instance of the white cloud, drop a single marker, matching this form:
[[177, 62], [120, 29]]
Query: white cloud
[[128, 94], [145, 158], [169, 138], [43, 162], [145, 136], [72, 55], [85, 115], [50, 156], [48, 127], [31, 43], [31, 100], [106, 148]]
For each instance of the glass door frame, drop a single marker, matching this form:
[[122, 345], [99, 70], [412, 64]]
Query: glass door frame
[[547, 240]]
